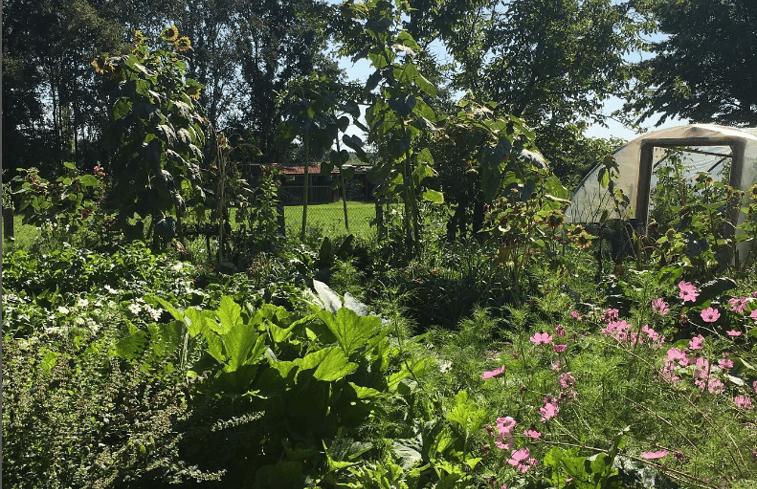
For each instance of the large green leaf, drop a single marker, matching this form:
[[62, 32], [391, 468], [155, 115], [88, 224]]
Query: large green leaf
[[229, 314], [121, 108], [334, 366], [433, 196], [351, 331]]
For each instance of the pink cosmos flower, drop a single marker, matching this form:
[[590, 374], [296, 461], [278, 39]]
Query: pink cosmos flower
[[696, 342], [560, 331], [743, 402], [714, 386], [521, 460], [651, 333], [532, 434], [725, 363], [668, 373], [566, 380], [549, 410], [753, 315], [710, 315], [540, 338], [687, 291], [733, 333], [738, 304], [493, 373], [677, 355], [617, 329], [702, 368], [654, 455], [559, 348], [504, 434], [660, 306], [610, 315]]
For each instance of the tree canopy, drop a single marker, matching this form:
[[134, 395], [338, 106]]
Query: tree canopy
[[704, 67], [551, 63]]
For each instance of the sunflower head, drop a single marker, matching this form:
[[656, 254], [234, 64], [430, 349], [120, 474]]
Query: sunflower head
[[753, 191], [170, 33], [193, 92], [183, 44], [100, 65]]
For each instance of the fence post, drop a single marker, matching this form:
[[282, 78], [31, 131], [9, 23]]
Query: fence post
[[281, 221], [380, 220], [8, 224]]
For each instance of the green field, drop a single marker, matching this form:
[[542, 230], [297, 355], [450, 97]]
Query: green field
[[329, 218]]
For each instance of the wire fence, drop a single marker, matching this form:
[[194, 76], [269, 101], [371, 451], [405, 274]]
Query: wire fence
[[330, 219]]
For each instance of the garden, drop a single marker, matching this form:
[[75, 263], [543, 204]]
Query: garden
[[161, 328]]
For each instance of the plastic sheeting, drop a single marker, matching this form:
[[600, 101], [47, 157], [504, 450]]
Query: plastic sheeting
[[702, 147]]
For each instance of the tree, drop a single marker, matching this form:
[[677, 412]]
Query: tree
[[214, 60], [48, 91], [705, 65], [551, 63], [277, 42]]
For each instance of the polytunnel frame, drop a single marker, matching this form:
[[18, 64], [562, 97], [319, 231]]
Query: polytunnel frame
[[647, 147]]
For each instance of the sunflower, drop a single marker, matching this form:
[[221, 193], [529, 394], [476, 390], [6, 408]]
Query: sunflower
[[183, 44], [170, 33], [193, 92], [753, 191], [99, 65]]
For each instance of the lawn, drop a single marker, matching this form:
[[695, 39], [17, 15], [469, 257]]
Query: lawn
[[329, 218]]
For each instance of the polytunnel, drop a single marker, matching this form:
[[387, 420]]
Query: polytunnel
[[702, 148]]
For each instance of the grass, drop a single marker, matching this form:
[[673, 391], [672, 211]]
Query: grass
[[24, 235], [329, 218]]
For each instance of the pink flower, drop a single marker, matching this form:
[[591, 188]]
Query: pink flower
[[725, 363], [505, 427], [532, 434], [559, 348], [743, 402], [677, 355], [617, 329], [549, 410], [687, 291], [574, 315], [753, 314], [754, 386], [566, 380], [493, 373], [733, 333], [660, 306], [521, 460], [714, 386], [610, 315], [738, 304], [654, 455], [560, 331], [540, 338], [696, 342], [710, 315], [651, 334]]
